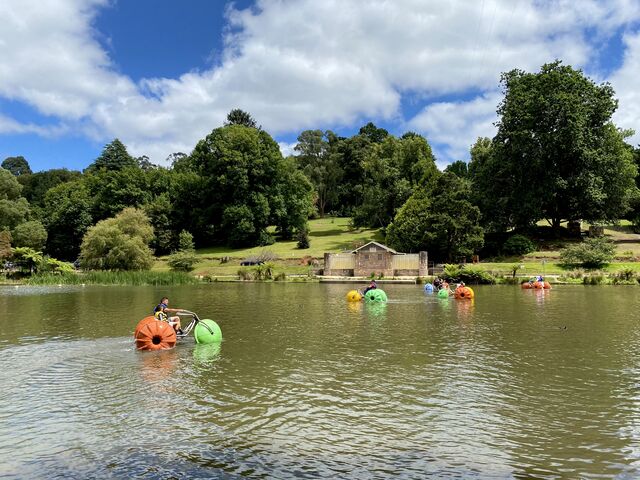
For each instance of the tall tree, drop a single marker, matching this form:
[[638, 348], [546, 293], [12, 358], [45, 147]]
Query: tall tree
[[67, 216], [556, 152], [320, 164], [14, 209], [36, 185], [240, 117], [439, 218], [114, 156], [17, 165], [241, 168]]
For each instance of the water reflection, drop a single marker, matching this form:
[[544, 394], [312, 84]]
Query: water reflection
[[206, 354], [306, 387]]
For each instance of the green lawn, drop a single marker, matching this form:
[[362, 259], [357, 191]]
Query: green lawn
[[326, 235], [334, 235]]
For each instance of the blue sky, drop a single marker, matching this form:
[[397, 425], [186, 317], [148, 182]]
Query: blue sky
[[161, 74]]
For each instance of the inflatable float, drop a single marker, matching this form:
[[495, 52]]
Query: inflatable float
[[354, 296], [443, 293], [428, 287], [376, 295], [536, 285], [463, 293], [154, 334]]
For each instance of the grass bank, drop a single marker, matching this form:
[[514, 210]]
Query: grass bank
[[114, 278]]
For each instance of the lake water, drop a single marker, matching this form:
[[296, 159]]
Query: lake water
[[517, 384]]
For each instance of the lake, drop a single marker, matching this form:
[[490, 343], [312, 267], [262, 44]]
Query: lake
[[515, 384]]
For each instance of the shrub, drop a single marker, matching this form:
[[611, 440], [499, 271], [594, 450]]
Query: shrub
[[280, 277], [303, 239], [183, 261], [518, 245], [476, 276], [592, 253], [245, 274]]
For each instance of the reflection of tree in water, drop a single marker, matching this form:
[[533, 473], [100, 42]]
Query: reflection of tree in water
[[206, 354]]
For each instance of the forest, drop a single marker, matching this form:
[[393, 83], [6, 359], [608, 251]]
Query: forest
[[557, 157]]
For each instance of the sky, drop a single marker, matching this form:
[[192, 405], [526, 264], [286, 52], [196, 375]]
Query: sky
[[161, 74]]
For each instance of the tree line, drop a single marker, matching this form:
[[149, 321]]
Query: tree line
[[556, 156]]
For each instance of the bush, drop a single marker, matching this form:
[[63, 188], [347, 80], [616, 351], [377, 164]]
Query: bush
[[245, 274], [303, 239], [183, 261], [592, 253], [472, 275], [518, 245]]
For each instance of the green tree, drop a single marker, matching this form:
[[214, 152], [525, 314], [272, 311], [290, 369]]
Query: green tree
[[27, 258], [14, 209], [185, 258], [439, 219], [241, 169], [114, 156], [114, 190], [18, 166], [240, 117], [320, 164], [35, 186], [67, 216], [392, 170], [5, 244], [118, 243], [556, 154], [159, 211], [459, 168], [30, 234]]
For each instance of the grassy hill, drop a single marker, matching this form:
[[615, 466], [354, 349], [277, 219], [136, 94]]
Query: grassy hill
[[335, 235], [326, 235]]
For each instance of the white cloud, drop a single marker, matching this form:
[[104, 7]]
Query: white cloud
[[301, 64], [625, 83], [457, 125]]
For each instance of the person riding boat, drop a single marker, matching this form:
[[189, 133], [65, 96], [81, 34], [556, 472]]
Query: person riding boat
[[372, 286], [161, 313]]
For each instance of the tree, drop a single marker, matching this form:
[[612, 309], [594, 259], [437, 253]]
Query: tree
[[17, 166], [118, 243], [114, 190], [556, 154], [242, 179], [240, 117], [5, 244], [35, 186], [320, 164], [67, 216], [114, 156], [185, 258], [27, 258], [392, 170], [30, 234], [440, 219], [459, 168], [14, 209], [159, 211]]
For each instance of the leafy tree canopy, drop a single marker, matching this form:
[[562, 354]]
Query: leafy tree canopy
[[114, 156], [240, 117], [30, 234], [17, 166], [440, 219], [118, 243], [556, 154]]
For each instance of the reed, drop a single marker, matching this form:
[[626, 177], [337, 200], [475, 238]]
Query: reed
[[114, 278]]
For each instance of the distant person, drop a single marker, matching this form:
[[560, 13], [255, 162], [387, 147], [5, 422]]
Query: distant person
[[372, 286], [161, 312], [437, 283]]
